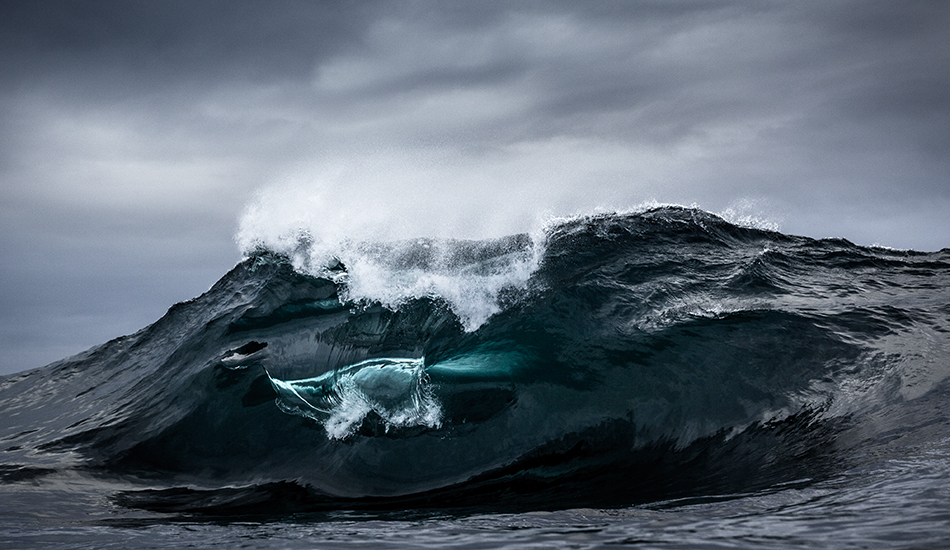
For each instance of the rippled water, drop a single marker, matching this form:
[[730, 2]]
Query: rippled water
[[655, 379]]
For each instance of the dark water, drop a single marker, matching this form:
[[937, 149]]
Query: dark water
[[657, 379]]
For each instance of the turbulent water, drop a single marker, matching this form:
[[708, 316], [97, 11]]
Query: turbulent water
[[658, 378]]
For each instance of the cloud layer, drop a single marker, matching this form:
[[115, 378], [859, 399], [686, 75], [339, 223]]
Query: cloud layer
[[133, 134]]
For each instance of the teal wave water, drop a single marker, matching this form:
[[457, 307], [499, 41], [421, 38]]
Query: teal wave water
[[657, 362]]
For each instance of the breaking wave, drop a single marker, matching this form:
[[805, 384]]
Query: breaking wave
[[607, 360]]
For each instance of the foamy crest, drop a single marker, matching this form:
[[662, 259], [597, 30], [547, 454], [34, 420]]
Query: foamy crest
[[749, 213], [371, 241], [468, 275], [370, 251]]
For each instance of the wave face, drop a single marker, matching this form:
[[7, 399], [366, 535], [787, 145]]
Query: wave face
[[617, 359]]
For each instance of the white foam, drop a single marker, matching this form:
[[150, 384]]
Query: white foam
[[470, 289], [751, 213], [396, 390], [377, 245], [320, 220]]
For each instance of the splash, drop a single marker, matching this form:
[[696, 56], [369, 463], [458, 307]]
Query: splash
[[395, 392], [393, 252], [379, 257], [748, 212]]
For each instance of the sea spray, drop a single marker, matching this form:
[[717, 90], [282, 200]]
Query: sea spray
[[395, 391], [377, 264]]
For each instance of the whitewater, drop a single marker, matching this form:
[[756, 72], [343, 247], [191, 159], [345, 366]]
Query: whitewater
[[657, 378]]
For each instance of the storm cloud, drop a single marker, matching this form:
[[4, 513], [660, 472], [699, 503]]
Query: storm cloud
[[135, 135]]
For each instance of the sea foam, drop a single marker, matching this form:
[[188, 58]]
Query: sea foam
[[381, 258]]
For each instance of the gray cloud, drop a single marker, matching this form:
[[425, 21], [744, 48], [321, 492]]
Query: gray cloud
[[169, 44], [133, 133]]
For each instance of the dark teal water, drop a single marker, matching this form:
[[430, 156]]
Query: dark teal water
[[654, 379]]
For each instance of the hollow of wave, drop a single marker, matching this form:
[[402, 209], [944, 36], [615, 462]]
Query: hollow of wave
[[621, 359]]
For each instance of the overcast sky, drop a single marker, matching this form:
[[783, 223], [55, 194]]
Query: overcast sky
[[135, 134]]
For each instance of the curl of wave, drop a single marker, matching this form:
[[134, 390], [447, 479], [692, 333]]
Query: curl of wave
[[613, 359]]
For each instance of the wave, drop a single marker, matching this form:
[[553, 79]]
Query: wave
[[609, 360]]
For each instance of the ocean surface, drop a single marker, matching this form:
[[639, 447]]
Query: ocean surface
[[653, 379]]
